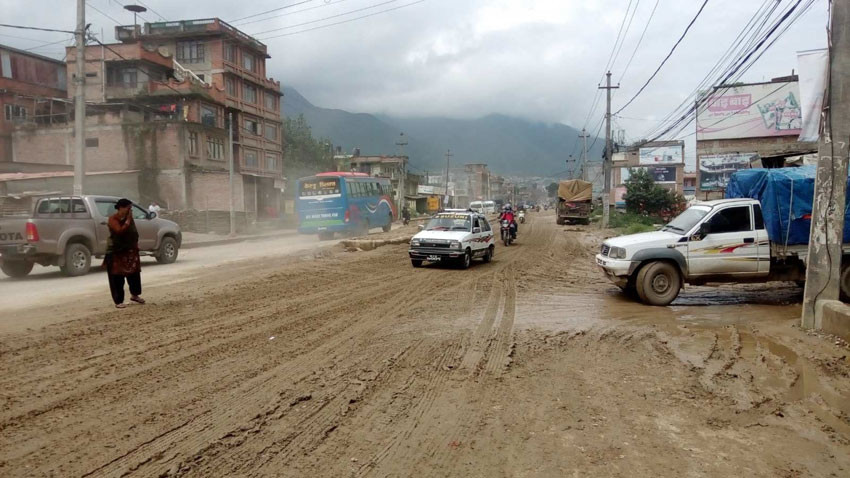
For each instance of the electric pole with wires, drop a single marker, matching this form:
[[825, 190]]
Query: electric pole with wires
[[606, 162], [824, 271], [583, 170], [80, 101]]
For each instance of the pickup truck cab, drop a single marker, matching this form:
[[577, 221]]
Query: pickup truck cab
[[68, 231], [454, 236], [714, 241]]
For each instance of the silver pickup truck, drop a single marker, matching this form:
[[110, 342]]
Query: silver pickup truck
[[68, 231]]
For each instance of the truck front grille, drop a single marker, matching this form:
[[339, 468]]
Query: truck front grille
[[605, 250]]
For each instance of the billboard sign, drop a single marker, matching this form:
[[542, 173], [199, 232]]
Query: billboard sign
[[425, 189], [751, 111], [716, 169], [661, 174], [661, 155]]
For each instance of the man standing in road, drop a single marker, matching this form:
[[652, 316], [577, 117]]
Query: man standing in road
[[122, 255]]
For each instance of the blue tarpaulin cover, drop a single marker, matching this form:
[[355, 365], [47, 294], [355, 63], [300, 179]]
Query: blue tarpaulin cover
[[786, 196]]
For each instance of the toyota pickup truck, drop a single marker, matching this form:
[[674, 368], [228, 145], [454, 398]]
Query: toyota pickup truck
[[68, 231]]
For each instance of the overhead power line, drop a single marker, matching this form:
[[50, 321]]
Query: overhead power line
[[22, 27], [272, 10], [103, 13], [682, 37], [326, 18], [346, 21], [640, 40], [294, 12]]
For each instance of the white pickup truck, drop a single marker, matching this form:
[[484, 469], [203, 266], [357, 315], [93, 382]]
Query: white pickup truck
[[714, 241]]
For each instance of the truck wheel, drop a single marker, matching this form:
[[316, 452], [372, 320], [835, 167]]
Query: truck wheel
[[416, 263], [844, 289], [16, 269], [658, 283], [77, 260], [388, 226], [167, 251], [559, 221]]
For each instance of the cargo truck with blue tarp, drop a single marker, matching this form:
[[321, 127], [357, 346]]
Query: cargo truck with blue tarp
[[759, 233]]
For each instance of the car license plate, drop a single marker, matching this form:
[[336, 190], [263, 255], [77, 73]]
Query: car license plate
[[434, 258], [600, 262]]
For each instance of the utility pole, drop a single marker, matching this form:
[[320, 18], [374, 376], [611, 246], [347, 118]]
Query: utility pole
[[606, 164], [232, 167], [401, 143], [80, 101], [826, 234], [584, 137], [448, 162]]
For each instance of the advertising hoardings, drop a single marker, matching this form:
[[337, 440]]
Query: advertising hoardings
[[751, 111], [661, 174], [715, 169], [660, 155]]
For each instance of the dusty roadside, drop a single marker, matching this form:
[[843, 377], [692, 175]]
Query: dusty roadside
[[333, 363]]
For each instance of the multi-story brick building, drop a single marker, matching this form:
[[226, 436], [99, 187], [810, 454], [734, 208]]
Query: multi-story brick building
[[159, 104], [32, 92]]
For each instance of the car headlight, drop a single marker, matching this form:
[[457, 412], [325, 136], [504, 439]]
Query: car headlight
[[617, 253], [454, 245], [414, 243]]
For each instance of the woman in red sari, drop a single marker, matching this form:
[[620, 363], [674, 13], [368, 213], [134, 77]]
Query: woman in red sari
[[122, 255]]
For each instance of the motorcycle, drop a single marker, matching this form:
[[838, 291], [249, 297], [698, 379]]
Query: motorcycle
[[507, 236], [522, 217], [405, 221]]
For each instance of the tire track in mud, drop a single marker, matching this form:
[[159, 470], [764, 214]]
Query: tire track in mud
[[318, 413], [490, 347]]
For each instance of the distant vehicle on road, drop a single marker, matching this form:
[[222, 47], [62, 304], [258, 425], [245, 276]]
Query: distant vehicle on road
[[67, 231], [344, 202], [489, 207], [477, 206], [574, 202], [454, 236], [751, 237]]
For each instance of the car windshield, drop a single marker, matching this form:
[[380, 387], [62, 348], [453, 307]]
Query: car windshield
[[687, 220], [449, 223]]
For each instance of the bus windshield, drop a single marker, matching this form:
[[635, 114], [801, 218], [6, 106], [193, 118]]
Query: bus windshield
[[319, 187], [449, 223]]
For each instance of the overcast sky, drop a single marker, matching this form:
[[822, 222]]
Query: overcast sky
[[537, 59]]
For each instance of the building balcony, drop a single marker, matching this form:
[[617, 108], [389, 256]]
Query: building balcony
[[163, 89]]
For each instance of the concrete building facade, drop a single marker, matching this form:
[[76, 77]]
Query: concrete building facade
[[158, 103]]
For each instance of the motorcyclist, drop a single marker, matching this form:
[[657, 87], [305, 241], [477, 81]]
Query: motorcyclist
[[507, 214], [405, 215]]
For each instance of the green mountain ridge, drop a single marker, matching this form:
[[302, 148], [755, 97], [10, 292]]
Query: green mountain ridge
[[507, 144]]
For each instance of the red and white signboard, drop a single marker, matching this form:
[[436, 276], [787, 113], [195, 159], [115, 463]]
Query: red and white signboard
[[751, 111]]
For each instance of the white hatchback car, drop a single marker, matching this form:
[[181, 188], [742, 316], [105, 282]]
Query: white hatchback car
[[454, 236]]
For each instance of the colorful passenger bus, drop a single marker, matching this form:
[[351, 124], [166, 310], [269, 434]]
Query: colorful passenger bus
[[344, 202]]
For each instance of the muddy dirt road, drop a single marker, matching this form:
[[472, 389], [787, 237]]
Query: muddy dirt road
[[354, 364]]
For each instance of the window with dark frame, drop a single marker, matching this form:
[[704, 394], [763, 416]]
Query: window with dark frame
[[251, 159], [248, 62], [190, 51], [249, 93], [230, 52], [271, 132], [230, 86], [209, 115], [193, 143], [271, 162], [252, 126], [15, 113], [215, 148], [270, 101]]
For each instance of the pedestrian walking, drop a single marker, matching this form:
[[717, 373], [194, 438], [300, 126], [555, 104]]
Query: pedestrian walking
[[122, 255]]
